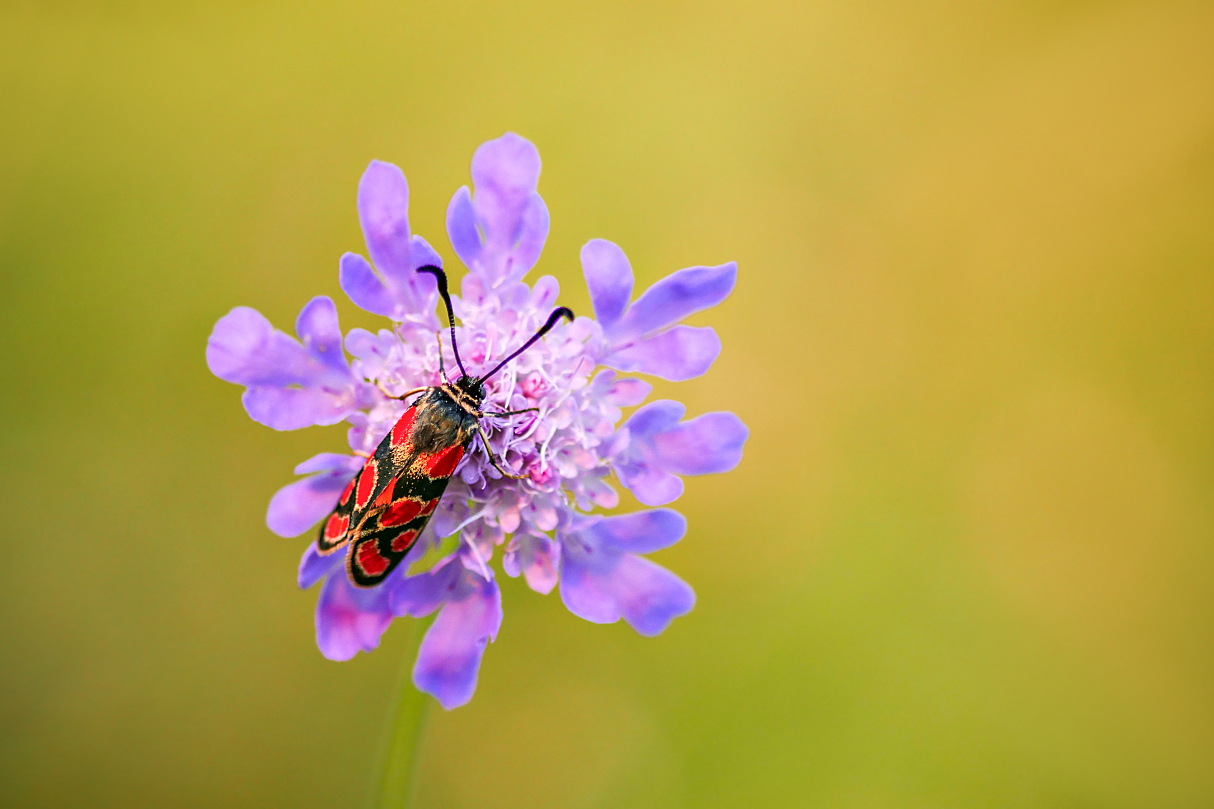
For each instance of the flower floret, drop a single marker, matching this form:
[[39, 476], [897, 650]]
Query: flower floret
[[499, 231], [653, 448], [470, 614], [642, 336], [604, 579], [289, 385], [396, 291]]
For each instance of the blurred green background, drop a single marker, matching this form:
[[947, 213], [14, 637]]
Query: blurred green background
[[966, 560]]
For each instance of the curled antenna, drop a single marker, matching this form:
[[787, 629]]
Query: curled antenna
[[557, 314], [441, 277]]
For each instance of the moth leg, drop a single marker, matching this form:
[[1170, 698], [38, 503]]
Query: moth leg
[[404, 395], [493, 458], [513, 412], [360, 453]]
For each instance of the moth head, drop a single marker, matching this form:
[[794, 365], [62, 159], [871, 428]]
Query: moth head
[[472, 388]]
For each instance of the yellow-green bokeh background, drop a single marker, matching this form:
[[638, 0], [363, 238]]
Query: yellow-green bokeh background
[[966, 561]]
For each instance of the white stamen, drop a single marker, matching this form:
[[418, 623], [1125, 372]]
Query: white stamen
[[468, 521], [472, 546]]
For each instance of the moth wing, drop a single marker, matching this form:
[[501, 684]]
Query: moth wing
[[375, 476], [389, 528], [335, 530]]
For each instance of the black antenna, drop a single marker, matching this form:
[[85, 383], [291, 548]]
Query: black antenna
[[557, 314], [441, 276]]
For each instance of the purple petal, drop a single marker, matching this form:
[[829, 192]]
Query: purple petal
[[328, 462], [298, 506], [609, 279], [651, 486], [545, 292], [317, 327], [473, 291], [401, 296], [378, 354], [288, 386], [424, 255], [383, 211], [505, 172], [677, 354], [675, 297], [503, 238], [655, 417], [536, 558], [586, 594], [422, 594], [367, 346], [646, 595], [245, 349], [642, 532], [532, 234], [349, 619], [598, 492], [628, 392], [616, 445], [313, 567], [449, 659], [649, 595], [707, 444], [296, 408], [392, 289], [461, 227], [363, 287]]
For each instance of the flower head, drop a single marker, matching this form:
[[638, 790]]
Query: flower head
[[567, 451]]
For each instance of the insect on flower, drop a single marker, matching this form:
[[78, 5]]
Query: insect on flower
[[385, 508], [422, 479]]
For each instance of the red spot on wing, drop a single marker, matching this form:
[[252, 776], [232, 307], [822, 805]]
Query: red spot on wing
[[404, 428], [370, 560], [345, 496], [442, 463], [385, 497], [336, 526], [366, 484], [401, 512], [428, 508], [404, 541]]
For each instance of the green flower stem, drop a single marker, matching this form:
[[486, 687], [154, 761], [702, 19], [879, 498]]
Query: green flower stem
[[394, 786]]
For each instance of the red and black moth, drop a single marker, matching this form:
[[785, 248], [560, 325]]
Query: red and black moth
[[383, 510]]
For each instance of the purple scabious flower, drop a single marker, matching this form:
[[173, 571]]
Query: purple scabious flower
[[572, 451]]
